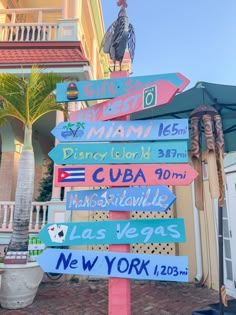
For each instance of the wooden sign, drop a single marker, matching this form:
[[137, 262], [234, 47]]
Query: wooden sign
[[114, 232], [150, 198], [158, 94], [136, 130], [115, 264], [111, 88], [119, 153], [124, 175]]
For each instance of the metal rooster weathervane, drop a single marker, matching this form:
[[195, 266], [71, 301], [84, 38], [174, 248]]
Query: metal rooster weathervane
[[119, 36]]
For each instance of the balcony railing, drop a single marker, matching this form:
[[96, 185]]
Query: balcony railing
[[29, 24], [38, 218], [28, 32]]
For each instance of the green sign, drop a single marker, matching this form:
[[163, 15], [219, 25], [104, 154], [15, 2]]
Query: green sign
[[149, 97]]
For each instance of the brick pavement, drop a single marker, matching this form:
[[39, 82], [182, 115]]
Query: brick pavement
[[90, 298]]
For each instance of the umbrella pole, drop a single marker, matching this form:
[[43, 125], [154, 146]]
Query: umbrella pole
[[221, 256]]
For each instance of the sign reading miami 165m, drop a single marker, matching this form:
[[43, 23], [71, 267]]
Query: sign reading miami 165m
[[136, 130], [114, 264], [124, 175]]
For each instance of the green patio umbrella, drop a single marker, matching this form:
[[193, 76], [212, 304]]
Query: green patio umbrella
[[221, 97], [211, 109]]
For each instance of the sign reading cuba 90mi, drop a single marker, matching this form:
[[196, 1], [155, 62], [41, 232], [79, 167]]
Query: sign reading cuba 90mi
[[124, 175]]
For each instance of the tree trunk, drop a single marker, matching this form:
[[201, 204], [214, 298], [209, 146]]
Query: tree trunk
[[24, 195]]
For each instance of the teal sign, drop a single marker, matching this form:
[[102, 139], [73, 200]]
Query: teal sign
[[118, 153], [114, 232], [112, 88]]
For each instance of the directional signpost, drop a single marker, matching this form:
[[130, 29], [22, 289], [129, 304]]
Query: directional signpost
[[111, 88], [117, 153], [150, 198], [157, 94], [137, 130], [113, 264], [135, 173], [114, 232], [124, 175]]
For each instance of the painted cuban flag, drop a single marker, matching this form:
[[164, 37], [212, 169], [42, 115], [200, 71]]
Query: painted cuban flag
[[67, 174]]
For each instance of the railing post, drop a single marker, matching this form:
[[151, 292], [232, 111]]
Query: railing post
[[44, 215], [36, 226], [10, 225], [4, 223]]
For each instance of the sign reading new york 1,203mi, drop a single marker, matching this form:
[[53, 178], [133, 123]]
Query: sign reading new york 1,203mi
[[124, 175], [115, 264], [158, 94], [115, 87]]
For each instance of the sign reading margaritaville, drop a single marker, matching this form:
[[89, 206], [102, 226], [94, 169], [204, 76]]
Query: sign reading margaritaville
[[142, 198]]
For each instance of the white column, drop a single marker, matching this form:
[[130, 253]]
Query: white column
[[65, 9], [77, 8]]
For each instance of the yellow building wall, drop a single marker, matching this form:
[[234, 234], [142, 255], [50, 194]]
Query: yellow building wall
[[184, 209], [208, 234]]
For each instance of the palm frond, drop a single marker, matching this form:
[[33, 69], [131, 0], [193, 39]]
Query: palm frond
[[29, 98]]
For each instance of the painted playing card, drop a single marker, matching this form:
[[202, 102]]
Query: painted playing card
[[52, 231], [61, 233]]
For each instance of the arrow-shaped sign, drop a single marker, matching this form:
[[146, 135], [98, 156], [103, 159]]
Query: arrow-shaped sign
[[115, 264], [114, 232], [118, 153], [124, 175], [157, 94], [136, 130], [111, 88], [149, 198]]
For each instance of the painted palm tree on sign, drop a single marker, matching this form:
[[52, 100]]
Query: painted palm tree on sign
[[27, 100]]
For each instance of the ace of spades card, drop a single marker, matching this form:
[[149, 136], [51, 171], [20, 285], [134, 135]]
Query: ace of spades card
[[57, 233]]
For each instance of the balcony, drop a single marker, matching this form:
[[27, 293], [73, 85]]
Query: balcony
[[30, 24], [38, 216]]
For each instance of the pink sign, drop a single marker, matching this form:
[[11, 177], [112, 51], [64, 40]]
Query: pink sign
[[124, 175], [158, 94]]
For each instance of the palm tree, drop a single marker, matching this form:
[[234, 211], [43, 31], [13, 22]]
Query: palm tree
[[27, 100]]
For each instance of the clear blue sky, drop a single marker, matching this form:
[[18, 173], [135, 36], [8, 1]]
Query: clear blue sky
[[196, 38]]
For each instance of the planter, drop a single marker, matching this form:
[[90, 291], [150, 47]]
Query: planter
[[19, 284]]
